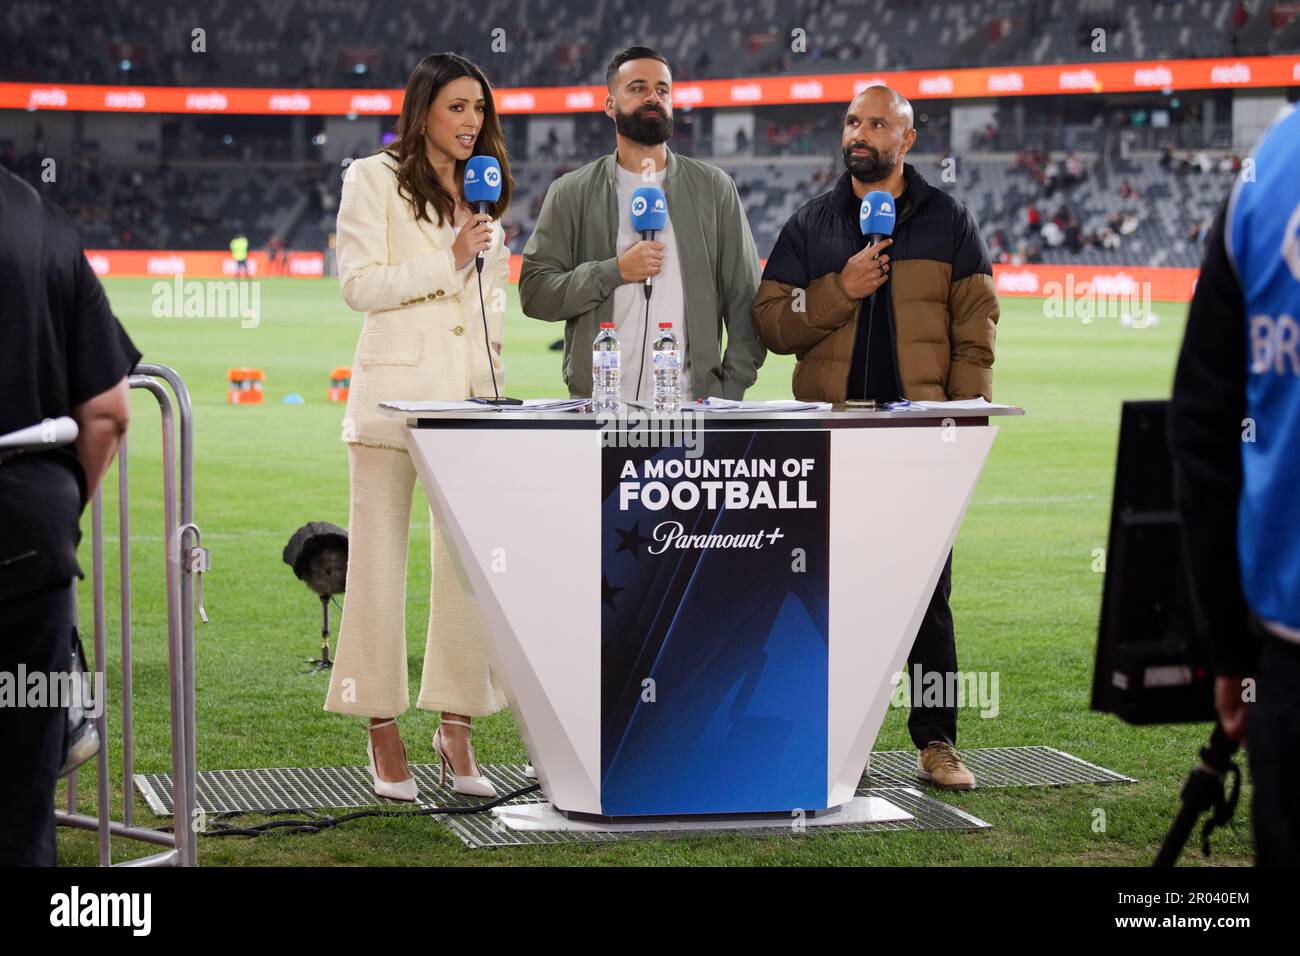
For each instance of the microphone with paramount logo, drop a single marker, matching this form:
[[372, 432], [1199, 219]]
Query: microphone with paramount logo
[[876, 216], [649, 216], [482, 188]]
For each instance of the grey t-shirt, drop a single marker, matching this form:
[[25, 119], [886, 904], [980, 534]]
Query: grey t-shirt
[[667, 302]]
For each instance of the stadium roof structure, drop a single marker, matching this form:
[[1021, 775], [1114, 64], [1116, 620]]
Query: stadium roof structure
[[973, 83]]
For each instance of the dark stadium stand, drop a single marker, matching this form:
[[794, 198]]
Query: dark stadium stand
[[374, 44], [1126, 211], [1122, 203]]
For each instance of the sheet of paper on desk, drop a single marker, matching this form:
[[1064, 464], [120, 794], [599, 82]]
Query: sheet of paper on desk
[[437, 406], [779, 405], [554, 404], [965, 405], [529, 405]]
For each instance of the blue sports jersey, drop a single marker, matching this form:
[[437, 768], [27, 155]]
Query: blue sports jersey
[[1263, 242]]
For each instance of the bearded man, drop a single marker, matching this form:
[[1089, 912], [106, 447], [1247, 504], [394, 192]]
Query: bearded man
[[912, 317], [584, 264]]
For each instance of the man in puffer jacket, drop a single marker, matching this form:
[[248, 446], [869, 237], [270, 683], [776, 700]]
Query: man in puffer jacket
[[910, 317]]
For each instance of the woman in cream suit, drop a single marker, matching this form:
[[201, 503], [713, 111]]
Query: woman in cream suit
[[407, 242]]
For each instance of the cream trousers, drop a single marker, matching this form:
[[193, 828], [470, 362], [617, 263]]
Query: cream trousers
[[369, 674]]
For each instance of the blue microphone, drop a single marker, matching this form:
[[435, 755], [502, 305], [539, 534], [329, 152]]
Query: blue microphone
[[649, 215], [876, 217], [482, 187], [649, 211]]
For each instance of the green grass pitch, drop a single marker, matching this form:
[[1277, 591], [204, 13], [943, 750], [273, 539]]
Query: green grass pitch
[[1026, 597]]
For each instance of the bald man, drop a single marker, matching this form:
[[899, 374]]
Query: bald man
[[910, 317]]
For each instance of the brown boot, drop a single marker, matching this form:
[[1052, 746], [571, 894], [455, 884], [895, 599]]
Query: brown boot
[[939, 764]]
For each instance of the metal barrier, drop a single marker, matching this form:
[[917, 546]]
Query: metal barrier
[[186, 560]]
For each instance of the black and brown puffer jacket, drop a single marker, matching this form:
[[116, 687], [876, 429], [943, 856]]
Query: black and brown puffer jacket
[[943, 308]]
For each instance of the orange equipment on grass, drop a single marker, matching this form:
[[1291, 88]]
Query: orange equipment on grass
[[245, 386], [340, 382]]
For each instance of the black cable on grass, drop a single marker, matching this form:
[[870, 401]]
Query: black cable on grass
[[325, 822]]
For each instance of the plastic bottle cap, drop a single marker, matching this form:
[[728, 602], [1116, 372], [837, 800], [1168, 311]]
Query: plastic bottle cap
[[665, 325], [607, 325]]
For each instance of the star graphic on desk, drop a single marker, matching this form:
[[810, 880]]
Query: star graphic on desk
[[607, 592], [631, 540]]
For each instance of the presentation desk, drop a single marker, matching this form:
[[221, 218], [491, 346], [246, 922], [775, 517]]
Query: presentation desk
[[706, 613]]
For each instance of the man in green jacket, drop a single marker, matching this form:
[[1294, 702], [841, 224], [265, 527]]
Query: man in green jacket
[[584, 265]]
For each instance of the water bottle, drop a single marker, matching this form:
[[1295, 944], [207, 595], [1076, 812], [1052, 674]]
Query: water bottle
[[606, 374], [667, 370]]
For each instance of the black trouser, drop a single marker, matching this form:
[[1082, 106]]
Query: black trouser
[[36, 633], [934, 650], [1273, 739]]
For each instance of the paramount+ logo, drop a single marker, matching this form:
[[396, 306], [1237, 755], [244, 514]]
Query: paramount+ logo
[[640, 204], [886, 210]]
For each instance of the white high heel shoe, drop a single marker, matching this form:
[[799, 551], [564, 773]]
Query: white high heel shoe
[[471, 785], [394, 790]]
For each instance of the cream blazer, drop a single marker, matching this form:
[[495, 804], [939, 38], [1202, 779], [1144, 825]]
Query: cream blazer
[[422, 337]]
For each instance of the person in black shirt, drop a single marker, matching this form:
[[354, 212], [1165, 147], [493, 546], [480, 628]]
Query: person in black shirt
[[872, 374], [1234, 434], [62, 352]]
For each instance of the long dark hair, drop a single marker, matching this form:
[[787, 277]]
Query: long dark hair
[[416, 181]]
